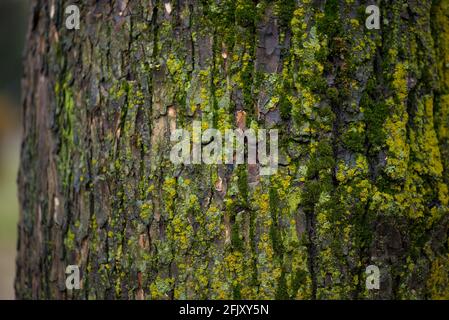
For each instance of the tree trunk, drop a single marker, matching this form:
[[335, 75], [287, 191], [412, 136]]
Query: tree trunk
[[363, 120]]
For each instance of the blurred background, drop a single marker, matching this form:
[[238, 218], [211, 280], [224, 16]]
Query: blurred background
[[13, 26]]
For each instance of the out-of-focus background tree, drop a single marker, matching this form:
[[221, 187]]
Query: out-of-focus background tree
[[13, 22]]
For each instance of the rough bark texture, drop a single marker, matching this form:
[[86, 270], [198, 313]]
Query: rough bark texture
[[364, 152]]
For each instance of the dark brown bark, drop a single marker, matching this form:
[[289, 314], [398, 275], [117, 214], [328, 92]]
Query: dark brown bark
[[363, 119]]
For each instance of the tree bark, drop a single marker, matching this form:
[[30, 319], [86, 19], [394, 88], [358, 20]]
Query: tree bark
[[363, 120]]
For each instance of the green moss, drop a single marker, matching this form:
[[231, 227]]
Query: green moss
[[69, 240], [242, 174], [354, 138], [245, 13], [284, 11], [375, 114], [439, 279], [275, 234], [330, 22], [282, 290], [66, 105]]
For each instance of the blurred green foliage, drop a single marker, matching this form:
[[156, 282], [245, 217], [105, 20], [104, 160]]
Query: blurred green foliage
[[13, 21]]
